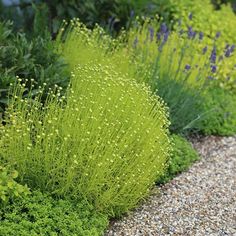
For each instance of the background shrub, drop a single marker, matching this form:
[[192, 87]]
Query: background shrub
[[112, 15], [40, 214], [222, 118], [183, 156], [28, 59]]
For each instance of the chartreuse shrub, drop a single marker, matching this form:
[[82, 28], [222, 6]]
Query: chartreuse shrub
[[182, 157], [180, 69], [82, 45], [108, 143], [40, 214]]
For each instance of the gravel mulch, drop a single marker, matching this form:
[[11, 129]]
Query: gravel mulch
[[201, 201]]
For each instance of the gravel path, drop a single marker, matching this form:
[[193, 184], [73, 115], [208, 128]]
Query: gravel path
[[201, 201]]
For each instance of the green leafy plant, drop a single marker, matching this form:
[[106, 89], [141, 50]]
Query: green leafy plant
[[112, 15], [40, 214], [28, 59], [222, 119], [183, 156], [9, 188]]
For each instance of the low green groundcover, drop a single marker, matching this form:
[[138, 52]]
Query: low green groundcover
[[39, 214]]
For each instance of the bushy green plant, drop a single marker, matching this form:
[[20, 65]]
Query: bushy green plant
[[40, 214], [222, 119], [9, 188], [29, 59], [107, 144], [183, 156], [112, 15]]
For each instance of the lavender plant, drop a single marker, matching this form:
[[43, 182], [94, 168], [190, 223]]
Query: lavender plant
[[107, 143], [180, 67]]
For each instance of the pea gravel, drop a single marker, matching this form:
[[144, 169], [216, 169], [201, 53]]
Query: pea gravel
[[201, 201]]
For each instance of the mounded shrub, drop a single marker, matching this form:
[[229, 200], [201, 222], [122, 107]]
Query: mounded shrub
[[106, 141], [222, 118], [182, 157]]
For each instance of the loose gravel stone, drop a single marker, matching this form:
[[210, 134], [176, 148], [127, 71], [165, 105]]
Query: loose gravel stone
[[199, 202]]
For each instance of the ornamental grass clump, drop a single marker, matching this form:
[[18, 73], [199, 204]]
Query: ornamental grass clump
[[106, 141]]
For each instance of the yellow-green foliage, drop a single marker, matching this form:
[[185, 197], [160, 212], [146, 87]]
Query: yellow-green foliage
[[100, 48], [108, 143]]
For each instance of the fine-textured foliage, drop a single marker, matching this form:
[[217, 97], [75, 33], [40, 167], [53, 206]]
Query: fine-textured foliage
[[108, 143], [40, 214], [29, 59], [183, 156]]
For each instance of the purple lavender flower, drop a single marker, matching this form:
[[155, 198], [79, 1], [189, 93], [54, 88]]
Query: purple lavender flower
[[187, 67], [151, 31], [213, 55], [227, 46], [191, 33], [190, 16], [201, 35], [213, 68], [218, 35], [131, 13], [228, 53], [163, 28], [210, 77], [204, 50], [229, 50], [166, 35], [232, 48], [135, 42], [158, 36]]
